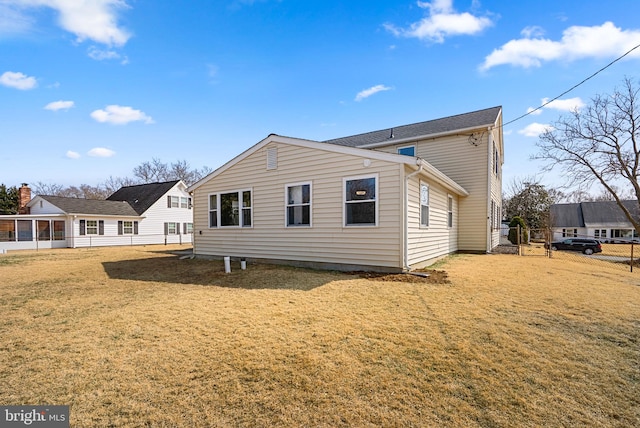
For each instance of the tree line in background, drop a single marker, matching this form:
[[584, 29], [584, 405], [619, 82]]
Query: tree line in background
[[147, 172]]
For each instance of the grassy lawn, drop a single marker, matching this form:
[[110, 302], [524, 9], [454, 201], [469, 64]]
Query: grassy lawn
[[136, 337]]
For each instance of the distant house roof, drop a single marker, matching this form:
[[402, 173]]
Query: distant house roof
[[91, 206], [476, 119], [587, 213], [142, 196]]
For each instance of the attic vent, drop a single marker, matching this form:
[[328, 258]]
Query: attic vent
[[272, 158]]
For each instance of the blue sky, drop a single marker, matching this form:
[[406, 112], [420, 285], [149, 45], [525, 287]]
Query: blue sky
[[91, 89]]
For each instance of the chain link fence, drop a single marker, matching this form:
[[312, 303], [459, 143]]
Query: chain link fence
[[582, 248]]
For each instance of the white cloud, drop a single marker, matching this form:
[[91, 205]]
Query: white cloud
[[12, 21], [59, 105], [102, 54], [73, 155], [532, 31], [95, 20], [442, 21], [101, 152], [535, 129], [577, 42], [120, 115], [366, 93], [18, 80], [569, 104]]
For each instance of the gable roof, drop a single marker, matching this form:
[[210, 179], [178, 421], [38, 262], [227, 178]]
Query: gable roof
[[414, 162], [599, 212], [90, 206], [446, 125], [142, 196]]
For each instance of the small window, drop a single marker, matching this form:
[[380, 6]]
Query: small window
[[171, 228], [424, 204], [184, 202], [92, 227], [407, 150], [188, 228], [361, 208], [450, 212], [173, 201], [298, 204]]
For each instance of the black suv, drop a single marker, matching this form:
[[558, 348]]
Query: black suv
[[587, 246]]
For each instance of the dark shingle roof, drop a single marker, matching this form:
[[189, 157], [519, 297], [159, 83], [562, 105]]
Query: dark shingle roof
[[90, 206], [142, 196], [476, 119], [566, 215], [607, 211], [583, 213]]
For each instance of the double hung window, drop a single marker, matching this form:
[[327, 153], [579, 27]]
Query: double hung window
[[360, 201], [298, 204]]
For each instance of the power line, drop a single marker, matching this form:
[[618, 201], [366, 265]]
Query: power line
[[573, 87]]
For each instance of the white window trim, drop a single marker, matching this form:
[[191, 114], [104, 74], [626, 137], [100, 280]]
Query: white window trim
[[210, 209], [411, 146], [376, 200], [450, 203], [424, 226], [286, 205], [240, 207]]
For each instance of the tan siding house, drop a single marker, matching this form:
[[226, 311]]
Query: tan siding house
[[358, 202]]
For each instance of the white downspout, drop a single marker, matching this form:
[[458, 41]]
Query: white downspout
[[406, 213]]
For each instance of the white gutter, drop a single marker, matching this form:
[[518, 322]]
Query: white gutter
[[405, 262]]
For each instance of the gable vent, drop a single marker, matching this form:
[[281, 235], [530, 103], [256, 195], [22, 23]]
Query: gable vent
[[272, 158]]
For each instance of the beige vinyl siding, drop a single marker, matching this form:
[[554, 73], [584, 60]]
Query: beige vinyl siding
[[327, 241], [425, 244], [496, 187], [466, 164]]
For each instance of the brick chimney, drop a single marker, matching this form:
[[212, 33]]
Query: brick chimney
[[24, 196]]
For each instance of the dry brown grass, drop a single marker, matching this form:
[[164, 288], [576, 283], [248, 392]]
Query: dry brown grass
[[136, 337]]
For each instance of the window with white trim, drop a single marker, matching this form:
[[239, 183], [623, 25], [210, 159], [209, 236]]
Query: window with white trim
[[360, 201], [213, 210], [450, 211], [407, 150], [184, 202], [92, 227], [424, 204], [298, 204], [230, 209]]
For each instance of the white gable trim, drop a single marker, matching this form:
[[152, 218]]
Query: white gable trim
[[363, 153]]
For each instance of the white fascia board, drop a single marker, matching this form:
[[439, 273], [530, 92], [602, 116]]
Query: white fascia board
[[273, 138], [393, 142]]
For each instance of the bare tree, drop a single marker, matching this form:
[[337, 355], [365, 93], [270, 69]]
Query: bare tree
[[112, 184], [41, 188], [150, 172], [599, 144]]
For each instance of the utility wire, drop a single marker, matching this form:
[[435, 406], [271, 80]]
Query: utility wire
[[573, 87]]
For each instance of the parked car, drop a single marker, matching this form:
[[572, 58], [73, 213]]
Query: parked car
[[587, 246]]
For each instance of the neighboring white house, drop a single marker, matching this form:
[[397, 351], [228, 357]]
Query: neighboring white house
[[154, 213], [602, 220], [395, 199]]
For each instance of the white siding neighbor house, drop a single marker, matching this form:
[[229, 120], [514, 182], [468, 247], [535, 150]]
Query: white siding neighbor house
[[154, 213], [602, 220], [396, 199]]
